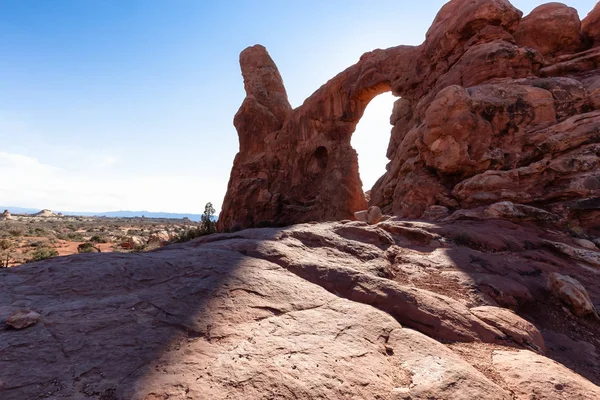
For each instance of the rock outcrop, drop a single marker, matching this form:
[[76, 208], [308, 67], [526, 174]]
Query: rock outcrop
[[5, 216], [342, 310], [45, 213], [493, 107]]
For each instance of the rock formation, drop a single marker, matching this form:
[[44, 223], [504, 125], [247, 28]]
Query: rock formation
[[339, 310], [492, 107], [495, 143], [5, 216], [45, 213]]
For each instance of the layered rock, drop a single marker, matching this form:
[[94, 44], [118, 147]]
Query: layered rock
[[342, 310], [493, 107]]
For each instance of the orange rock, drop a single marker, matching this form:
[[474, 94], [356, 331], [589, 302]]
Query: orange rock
[[490, 110], [590, 26], [553, 29], [22, 319]]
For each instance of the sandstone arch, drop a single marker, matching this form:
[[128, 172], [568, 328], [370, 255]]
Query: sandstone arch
[[471, 96], [298, 164]]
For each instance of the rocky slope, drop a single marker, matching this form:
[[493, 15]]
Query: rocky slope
[[493, 107], [487, 309]]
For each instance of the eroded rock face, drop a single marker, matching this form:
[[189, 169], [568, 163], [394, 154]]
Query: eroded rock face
[[494, 107]]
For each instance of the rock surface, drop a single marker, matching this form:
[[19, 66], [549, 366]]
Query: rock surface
[[521, 331], [495, 107], [532, 376], [572, 292], [395, 310]]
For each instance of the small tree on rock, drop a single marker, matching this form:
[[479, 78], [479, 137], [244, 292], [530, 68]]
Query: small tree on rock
[[208, 225]]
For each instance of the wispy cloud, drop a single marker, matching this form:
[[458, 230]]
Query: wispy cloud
[[27, 182]]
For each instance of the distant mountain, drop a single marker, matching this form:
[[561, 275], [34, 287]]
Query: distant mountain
[[109, 214]]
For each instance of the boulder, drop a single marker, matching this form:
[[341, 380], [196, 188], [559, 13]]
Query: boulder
[[22, 319], [553, 29], [136, 242], [571, 292], [374, 215], [159, 238], [588, 244], [361, 215]]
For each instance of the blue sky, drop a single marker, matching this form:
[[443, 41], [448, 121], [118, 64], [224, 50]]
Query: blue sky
[[128, 104]]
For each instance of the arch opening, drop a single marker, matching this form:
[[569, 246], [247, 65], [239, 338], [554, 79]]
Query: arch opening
[[318, 162], [371, 139]]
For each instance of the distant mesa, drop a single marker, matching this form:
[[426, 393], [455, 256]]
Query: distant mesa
[[45, 213]]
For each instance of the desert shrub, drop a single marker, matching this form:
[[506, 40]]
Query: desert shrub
[[5, 244], [38, 243], [98, 239], [16, 232], [189, 234], [75, 236], [42, 253], [86, 247]]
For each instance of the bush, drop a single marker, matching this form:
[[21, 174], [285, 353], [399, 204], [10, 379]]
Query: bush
[[42, 253], [98, 239], [5, 244], [75, 236], [87, 247], [189, 234]]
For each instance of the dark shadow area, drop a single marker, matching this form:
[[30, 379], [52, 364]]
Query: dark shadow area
[[106, 317]]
